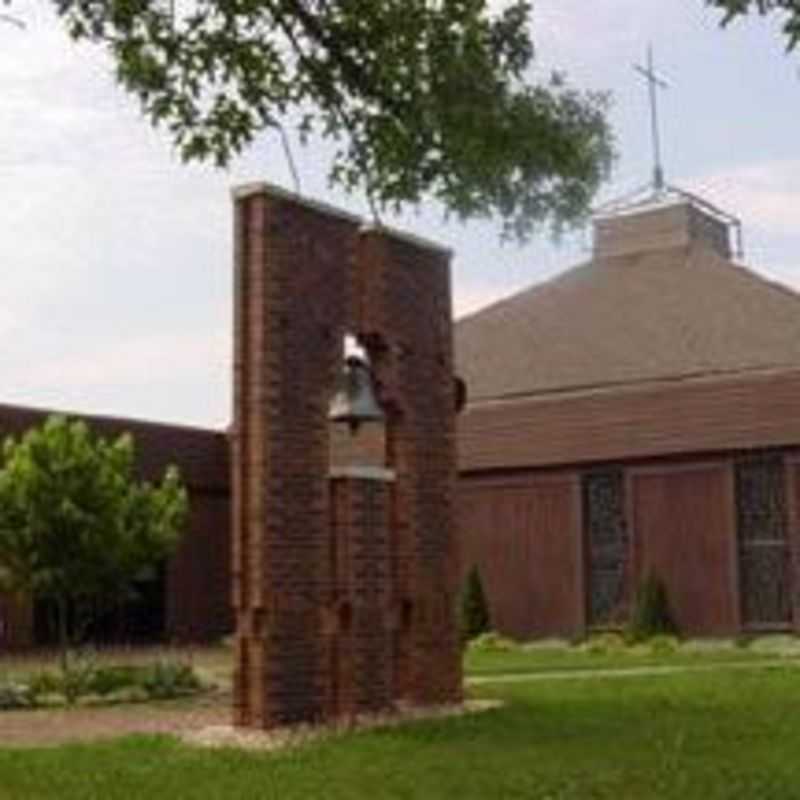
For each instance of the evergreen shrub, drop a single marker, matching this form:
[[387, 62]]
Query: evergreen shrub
[[651, 612], [474, 618]]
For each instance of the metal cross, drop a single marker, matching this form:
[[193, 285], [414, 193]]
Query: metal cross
[[654, 83]]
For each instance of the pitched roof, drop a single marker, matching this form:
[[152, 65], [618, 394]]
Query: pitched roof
[[662, 314]]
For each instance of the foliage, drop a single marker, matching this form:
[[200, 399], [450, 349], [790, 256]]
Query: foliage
[[85, 680], [421, 97], [603, 643], [75, 524], [651, 614], [166, 679], [788, 9], [14, 696], [663, 644], [76, 677], [474, 616], [492, 642]]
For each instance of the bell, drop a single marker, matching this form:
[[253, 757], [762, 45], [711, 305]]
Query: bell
[[354, 401]]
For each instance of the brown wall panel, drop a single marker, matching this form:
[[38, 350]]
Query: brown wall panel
[[198, 597], [793, 504], [684, 531], [525, 538]]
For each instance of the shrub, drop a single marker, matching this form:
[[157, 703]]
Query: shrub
[[474, 618], [14, 696], [44, 683], [85, 683], [168, 679], [493, 642], [604, 643], [651, 614], [108, 680], [77, 674], [663, 644]]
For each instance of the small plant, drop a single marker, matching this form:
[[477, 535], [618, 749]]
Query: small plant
[[110, 680], [604, 644], [663, 644], [475, 618], [651, 613], [77, 674], [168, 679], [493, 642], [14, 696]]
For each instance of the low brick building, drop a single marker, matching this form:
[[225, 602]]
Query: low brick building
[[191, 601], [638, 414]]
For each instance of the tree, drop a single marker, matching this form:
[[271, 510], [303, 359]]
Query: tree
[[422, 97], [474, 608], [789, 9], [75, 525]]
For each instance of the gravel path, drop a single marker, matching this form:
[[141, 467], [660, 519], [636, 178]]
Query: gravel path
[[44, 727]]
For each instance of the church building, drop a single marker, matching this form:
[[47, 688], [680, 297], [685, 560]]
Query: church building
[[635, 416]]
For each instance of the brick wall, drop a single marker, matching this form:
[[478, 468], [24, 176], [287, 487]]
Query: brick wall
[[305, 276]]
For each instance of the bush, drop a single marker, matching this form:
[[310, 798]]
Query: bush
[[77, 674], [651, 614], [108, 680], [664, 644], [603, 644], [14, 696], [167, 679], [474, 618], [493, 642], [44, 683], [85, 683]]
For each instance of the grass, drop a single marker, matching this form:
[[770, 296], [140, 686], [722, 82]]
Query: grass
[[214, 664], [715, 736], [561, 658]]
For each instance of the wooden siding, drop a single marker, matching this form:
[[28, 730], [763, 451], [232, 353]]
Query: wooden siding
[[198, 606], [793, 513], [684, 532], [645, 421], [525, 537]]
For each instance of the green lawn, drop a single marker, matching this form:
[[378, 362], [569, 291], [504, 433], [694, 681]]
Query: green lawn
[[725, 734], [480, 663]]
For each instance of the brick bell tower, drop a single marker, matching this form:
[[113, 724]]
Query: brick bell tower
[[344, 576]]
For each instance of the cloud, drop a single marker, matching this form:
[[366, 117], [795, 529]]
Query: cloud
[[131, 378], [564, 29], [762, 195], [160, 357]]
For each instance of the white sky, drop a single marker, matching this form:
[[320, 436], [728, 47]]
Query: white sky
[[116, 258]]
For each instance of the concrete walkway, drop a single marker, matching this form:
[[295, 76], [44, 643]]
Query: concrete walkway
[[630, 672]]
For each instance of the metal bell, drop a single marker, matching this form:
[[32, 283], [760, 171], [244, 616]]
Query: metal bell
[[354, 401]]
